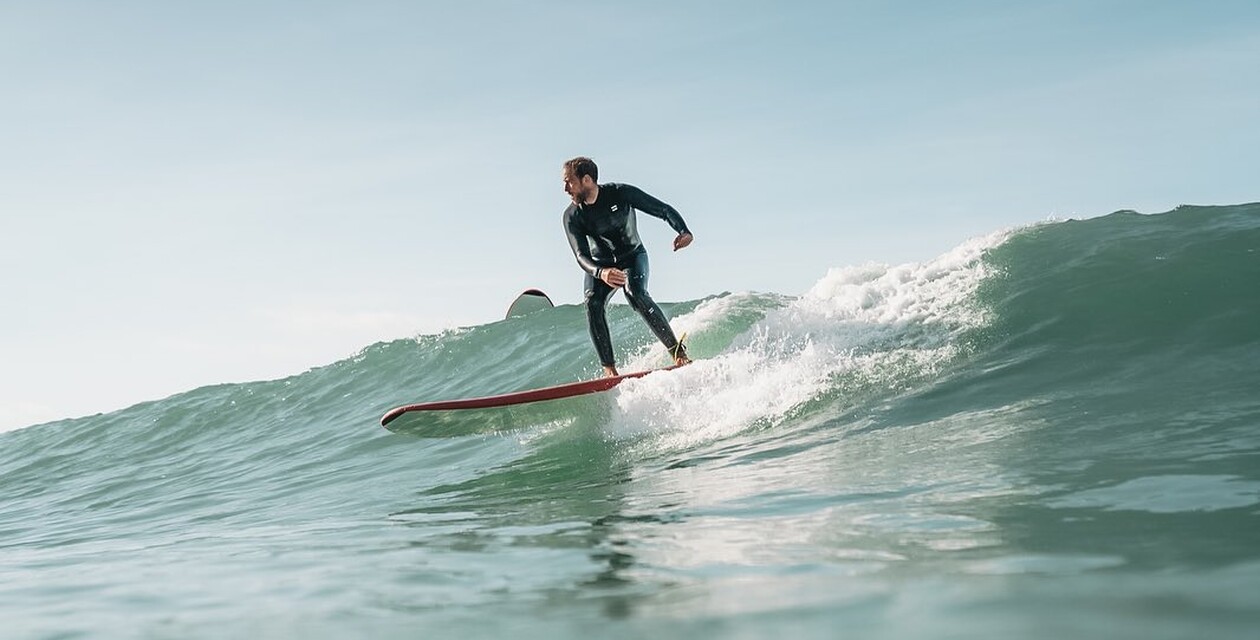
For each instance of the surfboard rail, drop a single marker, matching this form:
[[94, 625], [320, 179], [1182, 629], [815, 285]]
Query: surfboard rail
[[567, 390]]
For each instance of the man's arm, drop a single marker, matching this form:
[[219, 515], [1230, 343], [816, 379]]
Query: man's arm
[[579, 244], [640, 200]]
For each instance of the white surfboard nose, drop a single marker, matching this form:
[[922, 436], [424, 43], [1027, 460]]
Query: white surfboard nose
[[529, 301]]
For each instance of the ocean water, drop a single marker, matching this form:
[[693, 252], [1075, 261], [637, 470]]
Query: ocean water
[[1046, 432]]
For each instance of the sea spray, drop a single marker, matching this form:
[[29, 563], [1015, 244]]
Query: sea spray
[[859, 329]]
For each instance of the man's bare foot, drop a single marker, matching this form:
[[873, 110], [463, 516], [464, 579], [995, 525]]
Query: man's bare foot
[[679, 352], [610, 372]]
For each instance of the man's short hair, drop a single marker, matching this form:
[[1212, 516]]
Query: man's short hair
[[582, 166]]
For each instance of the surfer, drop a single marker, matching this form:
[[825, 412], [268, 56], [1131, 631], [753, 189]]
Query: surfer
[[605, 240]]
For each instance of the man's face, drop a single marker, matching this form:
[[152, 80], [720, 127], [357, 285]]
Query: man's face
[[577, 189]]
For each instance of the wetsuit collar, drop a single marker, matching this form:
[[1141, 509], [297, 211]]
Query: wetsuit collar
[[596, 199]]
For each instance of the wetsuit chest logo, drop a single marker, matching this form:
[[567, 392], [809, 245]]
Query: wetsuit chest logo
[[614, 207]]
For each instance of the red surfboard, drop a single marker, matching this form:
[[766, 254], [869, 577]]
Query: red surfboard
[[567, 390]]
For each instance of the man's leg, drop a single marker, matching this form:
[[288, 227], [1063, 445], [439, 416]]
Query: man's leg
[[597, 295], [639, 299]]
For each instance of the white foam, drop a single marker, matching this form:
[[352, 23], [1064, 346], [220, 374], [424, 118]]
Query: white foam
[[706, 314], [870, 320]]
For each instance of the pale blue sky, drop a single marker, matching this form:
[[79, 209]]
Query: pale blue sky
[[195, 193]]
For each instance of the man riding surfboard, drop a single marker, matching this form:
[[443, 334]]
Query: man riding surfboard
[[603, 233]]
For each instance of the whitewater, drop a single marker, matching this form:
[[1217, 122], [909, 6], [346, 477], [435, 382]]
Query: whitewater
[[1046, 432]]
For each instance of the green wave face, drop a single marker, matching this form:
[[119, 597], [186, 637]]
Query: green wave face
[[1046, 431]]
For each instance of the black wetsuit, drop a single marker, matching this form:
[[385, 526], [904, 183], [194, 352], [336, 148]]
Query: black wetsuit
[[605, 234]]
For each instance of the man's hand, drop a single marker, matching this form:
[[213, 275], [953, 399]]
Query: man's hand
[[682, 241], [613, 277]]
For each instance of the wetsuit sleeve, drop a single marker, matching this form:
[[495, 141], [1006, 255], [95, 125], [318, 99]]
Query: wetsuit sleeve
[[579, 244], [647, 204]]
